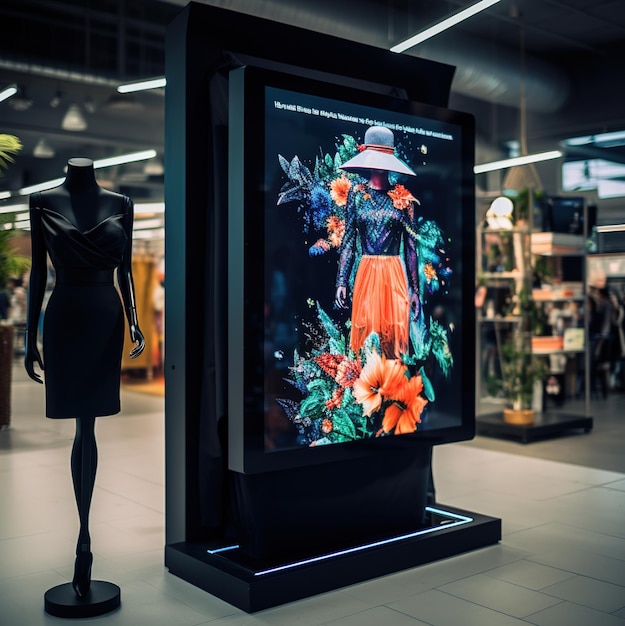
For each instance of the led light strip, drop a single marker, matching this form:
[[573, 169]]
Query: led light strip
[[444, 25], [144, 85], [459, 520], [522, 160], [7, 92]]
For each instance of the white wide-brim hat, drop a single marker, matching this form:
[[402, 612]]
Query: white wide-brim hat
[[378, 153]]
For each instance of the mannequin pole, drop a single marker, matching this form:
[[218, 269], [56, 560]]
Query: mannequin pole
[[84, 467], [83, 597]]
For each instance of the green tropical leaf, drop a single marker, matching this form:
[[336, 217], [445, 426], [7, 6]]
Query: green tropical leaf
[[9, 145], [342, 426], [328, 325], [428, 389]]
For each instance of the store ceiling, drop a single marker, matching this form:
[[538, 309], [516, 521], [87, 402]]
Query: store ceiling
[[76, 51]]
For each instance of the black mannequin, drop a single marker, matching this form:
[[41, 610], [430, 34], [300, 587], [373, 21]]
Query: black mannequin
[[87, 231]]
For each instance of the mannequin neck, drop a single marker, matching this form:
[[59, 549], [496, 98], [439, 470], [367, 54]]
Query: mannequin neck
[[378, 180], [80, 175]]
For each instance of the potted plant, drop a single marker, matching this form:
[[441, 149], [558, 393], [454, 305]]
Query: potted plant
[[11, 265], [520, 371]]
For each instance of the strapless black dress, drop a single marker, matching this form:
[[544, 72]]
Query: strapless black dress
[[83, 330]]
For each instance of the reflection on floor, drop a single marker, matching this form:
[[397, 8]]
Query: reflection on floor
[[561, 560]]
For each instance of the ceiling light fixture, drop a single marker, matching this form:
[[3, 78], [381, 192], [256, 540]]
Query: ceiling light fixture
[[74, 120], [143, 155], [48, 184], [43, 150], [144, 85], [7, 92], [443, 25], [522, 160]]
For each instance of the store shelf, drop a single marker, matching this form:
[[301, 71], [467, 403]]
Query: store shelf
[[547, 424], [561, 244], [550, 268], [548, 352], [502, 275], [501, 320]]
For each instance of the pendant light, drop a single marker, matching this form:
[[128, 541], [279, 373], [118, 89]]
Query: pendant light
[[74, 120], [43, 150], [522, 176]]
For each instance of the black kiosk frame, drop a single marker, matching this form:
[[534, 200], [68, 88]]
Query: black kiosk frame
[[241, 520]]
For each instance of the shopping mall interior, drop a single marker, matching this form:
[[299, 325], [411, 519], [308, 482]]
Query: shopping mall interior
[[538, 76]]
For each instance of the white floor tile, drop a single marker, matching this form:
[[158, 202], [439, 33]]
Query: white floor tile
[[569, 614], [529, 575], [499, 595], [441, 609], [592, 593], [376, 617]]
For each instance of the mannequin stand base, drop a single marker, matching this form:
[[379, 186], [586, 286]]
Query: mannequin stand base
[[62, 601]]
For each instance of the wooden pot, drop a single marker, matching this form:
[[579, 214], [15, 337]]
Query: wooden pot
[[521, 417]]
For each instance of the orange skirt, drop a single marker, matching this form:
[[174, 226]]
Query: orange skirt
[[381, 304]]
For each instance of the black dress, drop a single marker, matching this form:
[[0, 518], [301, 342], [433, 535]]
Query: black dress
[[83, 329]]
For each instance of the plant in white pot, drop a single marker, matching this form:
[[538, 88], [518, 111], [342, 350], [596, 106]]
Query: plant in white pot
[[12, 265]]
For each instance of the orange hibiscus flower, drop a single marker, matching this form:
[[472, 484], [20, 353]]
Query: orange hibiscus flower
[[380, 378], [336, 230], [404, 413], [401, 197], [339, 189]]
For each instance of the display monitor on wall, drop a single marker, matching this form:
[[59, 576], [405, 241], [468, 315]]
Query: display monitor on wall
[[350, 272]]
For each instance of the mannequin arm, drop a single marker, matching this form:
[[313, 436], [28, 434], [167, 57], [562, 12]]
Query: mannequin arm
[[36, 290], [127, 289]]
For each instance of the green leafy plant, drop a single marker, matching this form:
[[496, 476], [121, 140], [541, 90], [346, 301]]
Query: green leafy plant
[[9, 145], [522, 208], [11, 263], [519, 371]]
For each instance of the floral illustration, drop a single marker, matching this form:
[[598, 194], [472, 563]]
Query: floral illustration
[[341, 394]]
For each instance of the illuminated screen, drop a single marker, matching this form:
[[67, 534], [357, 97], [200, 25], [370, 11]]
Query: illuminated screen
[[351, 272]]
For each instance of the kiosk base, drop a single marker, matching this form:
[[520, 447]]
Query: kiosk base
[[225, 572]]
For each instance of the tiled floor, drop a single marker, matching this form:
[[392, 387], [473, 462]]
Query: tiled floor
[[561, 560]]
